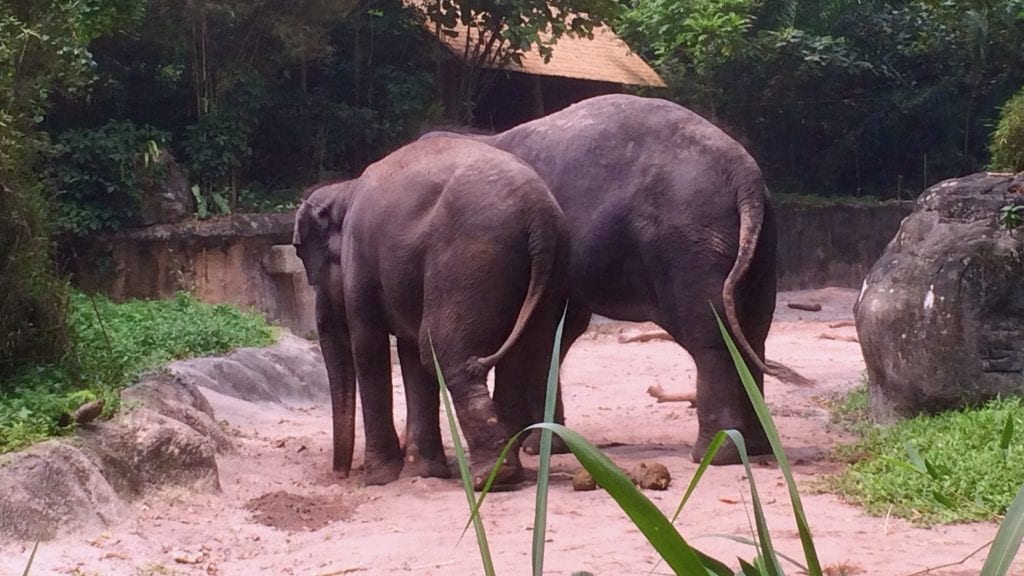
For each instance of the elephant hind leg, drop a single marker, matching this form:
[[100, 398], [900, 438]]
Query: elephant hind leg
[[722, 402], [424, 450], [577, 318]]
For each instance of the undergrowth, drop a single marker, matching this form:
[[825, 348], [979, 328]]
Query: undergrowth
[[112, 345], [956, 466]]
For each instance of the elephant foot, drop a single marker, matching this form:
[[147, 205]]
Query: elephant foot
[[426, 467], [380, 471], [727, 453], [509, 473], [532, 444]]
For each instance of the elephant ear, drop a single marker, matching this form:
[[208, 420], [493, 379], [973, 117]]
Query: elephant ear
[[311, 238]]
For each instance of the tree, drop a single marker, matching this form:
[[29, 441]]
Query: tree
[[43, 53], [490, 34]]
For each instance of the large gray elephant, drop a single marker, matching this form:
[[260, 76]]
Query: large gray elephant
[[666, 213], [446, 242]]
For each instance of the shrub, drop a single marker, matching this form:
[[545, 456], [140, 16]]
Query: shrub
[[113, 344], [1007, 146], [97, 174]]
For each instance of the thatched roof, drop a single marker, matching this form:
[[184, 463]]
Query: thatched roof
[[604, 58]]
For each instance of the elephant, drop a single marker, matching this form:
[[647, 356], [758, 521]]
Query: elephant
[[667, 214], [451, 246]]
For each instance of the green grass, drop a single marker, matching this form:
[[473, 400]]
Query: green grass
[[852, 411], [814, 201], [963, 472], [113, 344]]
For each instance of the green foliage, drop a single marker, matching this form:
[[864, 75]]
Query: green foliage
[[113, 344], [1011, 216], [967, 470], [841, 97], [1007, 146], [852, 410], [490, 34], [97, 174]]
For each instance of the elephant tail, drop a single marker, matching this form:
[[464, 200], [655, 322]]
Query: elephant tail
[[752, 210], [548, 241]]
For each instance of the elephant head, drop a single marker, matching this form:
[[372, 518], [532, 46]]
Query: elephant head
[[320, 215]]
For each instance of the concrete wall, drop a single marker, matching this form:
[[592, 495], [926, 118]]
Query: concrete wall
[[833, 245], [248, 260]]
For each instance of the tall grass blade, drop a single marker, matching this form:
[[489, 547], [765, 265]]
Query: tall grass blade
[[1007, 437], [770, 563], [709, 455], [748, 569], [757, 399], [31, 558], [467, 477], [1008, 538], [540, 509], [662, 535], [753, 544]]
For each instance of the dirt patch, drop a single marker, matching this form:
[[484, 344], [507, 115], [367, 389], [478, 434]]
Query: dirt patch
[[296, 512], [415, 526]]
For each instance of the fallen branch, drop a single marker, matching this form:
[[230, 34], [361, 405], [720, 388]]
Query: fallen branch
[[659, 393], [805, 306], [839, 337], [843, 324], [645, 337]]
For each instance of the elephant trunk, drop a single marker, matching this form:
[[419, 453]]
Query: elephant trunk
[[337, 351], [752, 209]]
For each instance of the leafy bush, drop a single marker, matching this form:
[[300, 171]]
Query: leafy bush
[[968, 468], [1007, 146], [113, 344], [97, 174]]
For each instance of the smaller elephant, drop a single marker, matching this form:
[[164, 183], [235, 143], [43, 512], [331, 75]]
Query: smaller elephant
[[453, 246]]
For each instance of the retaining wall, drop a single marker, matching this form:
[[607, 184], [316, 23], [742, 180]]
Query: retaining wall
[[248, 260]]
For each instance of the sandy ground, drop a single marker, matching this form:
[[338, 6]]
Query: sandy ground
[[281, 512]]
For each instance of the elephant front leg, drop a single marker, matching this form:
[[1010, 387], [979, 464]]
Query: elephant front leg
[[424, 450], [383, 461]]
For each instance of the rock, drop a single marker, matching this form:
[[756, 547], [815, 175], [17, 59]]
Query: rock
[[141, 449], [165, 196], [582, 481], [940, 317], [653, 476], [179, 399], [54, 488], [290, 371]]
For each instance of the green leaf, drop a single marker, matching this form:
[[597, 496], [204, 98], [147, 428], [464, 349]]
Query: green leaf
[[540, 510], [467, 477], [1004, 441], [1008, 538], [761, 409], [769, 561], [662, 535]]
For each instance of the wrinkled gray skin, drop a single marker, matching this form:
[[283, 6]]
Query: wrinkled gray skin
[[446, 241], [667, 214]]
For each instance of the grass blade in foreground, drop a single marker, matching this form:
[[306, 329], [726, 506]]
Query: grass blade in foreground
[[467, 479], [31, 558], [1008, 539], [667, 541], [770, 562], [757, 399], [540, 509]]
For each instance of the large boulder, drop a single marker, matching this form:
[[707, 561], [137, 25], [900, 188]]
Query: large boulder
[[940, 317]]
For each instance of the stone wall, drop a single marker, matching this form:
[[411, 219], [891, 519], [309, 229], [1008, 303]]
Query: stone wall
[[833, 245], [248, 260], [244, 259]]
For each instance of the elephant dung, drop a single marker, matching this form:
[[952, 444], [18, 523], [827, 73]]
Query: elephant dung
[[653, 476], [582, 481]]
